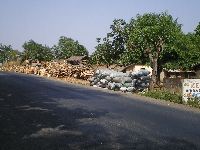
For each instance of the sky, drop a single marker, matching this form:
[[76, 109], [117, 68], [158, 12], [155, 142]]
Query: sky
[[44, 21]]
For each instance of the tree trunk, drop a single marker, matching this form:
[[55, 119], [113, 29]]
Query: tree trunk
[[154, 60], [154, 73]]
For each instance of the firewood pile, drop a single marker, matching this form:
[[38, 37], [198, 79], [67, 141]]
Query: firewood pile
[[53, 69], [62, 70]]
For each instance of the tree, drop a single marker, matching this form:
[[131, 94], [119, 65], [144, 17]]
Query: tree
[[36, 51], [67, 47], [186, 51], [197, 39], [193, 45], [7, 53], [135, 56], [117, 38], [151, 33], [4, 52], [110, 49], [103, 53]]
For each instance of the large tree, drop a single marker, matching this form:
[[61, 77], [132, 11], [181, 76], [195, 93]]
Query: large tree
[[67, 47], [36, 51], [151, 33]]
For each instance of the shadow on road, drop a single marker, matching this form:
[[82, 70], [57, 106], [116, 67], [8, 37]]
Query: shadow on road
[[37, 114]]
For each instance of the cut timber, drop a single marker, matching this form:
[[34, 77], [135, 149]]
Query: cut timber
[[54, 69]]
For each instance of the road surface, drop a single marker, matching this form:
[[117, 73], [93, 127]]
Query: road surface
[[41, 114]]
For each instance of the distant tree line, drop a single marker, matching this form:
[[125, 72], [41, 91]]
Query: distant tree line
[[65, 48]]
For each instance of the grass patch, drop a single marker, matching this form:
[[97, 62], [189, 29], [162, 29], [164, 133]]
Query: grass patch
[[172, 97], [194, 102], [164, 95]]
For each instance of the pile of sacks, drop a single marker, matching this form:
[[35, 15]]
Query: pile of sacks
[[125, 82]]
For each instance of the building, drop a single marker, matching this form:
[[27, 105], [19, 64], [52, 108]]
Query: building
[[136, 68], [176, 74], [76, 60], [197, 70]]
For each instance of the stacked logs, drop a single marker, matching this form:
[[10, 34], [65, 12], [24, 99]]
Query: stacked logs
[[62, 70], [53, 69]]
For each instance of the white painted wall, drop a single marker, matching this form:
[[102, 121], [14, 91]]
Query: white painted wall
[[190, 88]]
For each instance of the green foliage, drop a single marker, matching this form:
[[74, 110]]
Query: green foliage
[[118, 37], [173, 56], [168, 96], [110, 49], [187, 52], [7, 53], [183, 53], [35, 51], [195, 102], [197, 30], [67, 47], [129, 57], [164, 95], [103, 53]]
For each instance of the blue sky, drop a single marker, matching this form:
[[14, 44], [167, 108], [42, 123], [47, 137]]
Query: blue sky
[[45, 21]]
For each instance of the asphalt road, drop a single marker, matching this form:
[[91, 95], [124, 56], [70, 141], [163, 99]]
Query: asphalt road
[[42, 114]]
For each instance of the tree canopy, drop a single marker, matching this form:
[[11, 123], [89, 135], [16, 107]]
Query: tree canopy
[[67, 47], [110, 48], [7, 53], [36, 51], [151, 33], [186, 51], [103, 53]]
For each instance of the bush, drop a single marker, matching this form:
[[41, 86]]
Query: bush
[[164, 95]]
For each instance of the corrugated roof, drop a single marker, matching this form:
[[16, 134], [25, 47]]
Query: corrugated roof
[[76, 58], [178, 70]]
